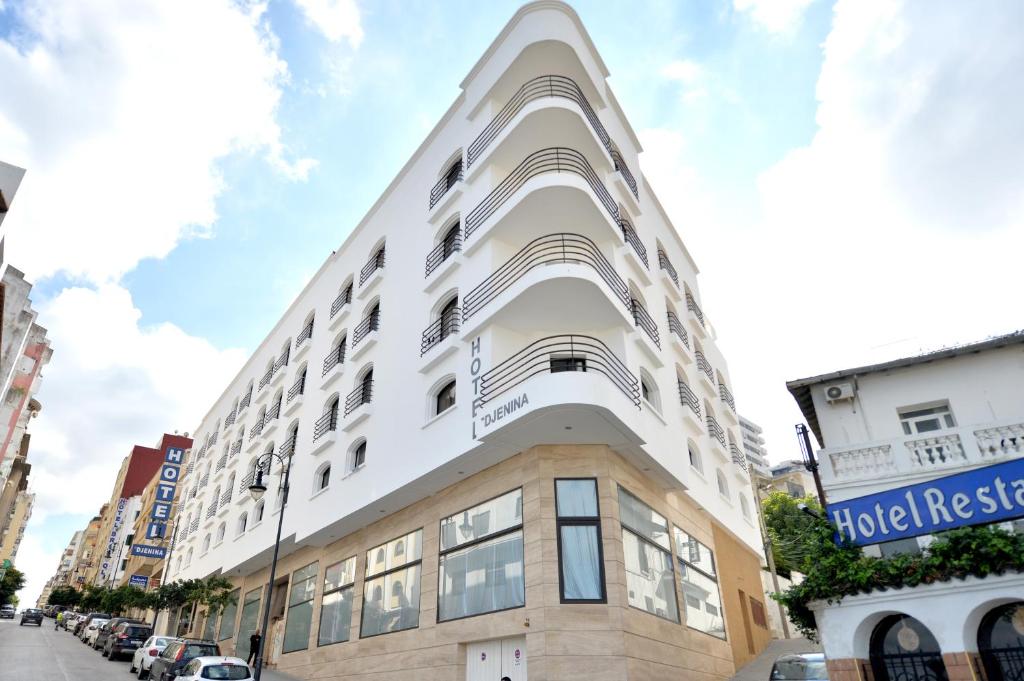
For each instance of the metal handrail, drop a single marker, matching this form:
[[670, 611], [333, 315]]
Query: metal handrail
[[326, 423], [550, 160], [288, 446], [666, 265], [257, 427], [714, 430], [222, 462], [633, 239], [451, 176], [225, 498], [687, 397], [693, 307], [244, 402], [726, 395], [247, 479], [371, 323], [282, 361], [539, 88], [212, 511], [236, 447], [372, 265], [204, 481], [194, 527], [298, 388], [536, 358], [273, 412], [737, 456], [442, 327], [704, 365], [675, 326], [545, 250], [305, 334], [441, 252], [334, 357], [230, 420], [644, 321], [213, 439], [343, 299], [265, 379], [363, 394]]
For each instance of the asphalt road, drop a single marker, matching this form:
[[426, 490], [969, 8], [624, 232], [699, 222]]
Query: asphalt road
[[32, 653]]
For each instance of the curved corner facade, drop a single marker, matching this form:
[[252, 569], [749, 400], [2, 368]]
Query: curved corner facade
[[514, 448]]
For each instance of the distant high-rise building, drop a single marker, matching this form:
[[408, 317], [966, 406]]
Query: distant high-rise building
[[754, 448]]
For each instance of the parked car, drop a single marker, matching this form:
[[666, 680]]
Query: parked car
[[104, 631], [32, 616], [7, 612], [800, 667], [226, 668], [69, 620], [83, 622], [143, 658], [125, 639], [169, 663], [92, 630]]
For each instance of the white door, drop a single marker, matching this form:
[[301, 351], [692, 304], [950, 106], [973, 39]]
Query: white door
[[497, 660]]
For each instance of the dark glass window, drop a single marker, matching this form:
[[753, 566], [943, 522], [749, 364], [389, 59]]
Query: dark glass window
[[446, 397], [560, 364], [580, 555]]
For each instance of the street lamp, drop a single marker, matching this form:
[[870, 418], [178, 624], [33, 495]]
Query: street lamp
[[257, 489]]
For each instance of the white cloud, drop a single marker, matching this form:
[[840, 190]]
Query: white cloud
[[37, 564], [689, 75], [893, 231], [121, 110], [336, 19], [774, 16]]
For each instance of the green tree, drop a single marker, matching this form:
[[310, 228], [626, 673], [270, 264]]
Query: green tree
[[92, 597], [64, 595], [794, 533], [124, 598], [12, 582]]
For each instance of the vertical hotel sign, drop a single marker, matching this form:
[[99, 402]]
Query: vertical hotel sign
[[166, 488], [115, 530]]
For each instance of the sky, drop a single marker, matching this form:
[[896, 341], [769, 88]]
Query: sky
[[848, 175]]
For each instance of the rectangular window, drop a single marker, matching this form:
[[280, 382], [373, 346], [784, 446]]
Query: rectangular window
[[248, 623], [925, 420], [580, 556], [300, 608], [227, 618], [210, 627], [336, 606], [757, 613], [481, 563], [391, 595], [699, 580], [650, 584], [560, 364]]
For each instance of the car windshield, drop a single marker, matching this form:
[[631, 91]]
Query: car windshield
[[161, 641], [229, 672], [138, 632], [799, 669], [200, 650]]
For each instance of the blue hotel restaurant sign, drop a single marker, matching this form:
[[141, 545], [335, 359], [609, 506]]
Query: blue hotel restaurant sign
[[983, 495]]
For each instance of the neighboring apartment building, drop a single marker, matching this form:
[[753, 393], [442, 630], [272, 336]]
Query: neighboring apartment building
[[14, 528], [10, 180], [62, 577], [551, 478], [755, 450], [793, 478], [87, 550], [921, 420]]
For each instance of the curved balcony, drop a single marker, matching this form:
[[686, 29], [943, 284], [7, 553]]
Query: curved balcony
[[566, 248], [543, 87]]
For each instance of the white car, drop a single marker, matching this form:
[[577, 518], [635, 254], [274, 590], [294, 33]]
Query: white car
[[223, 668], [144, 655], [92, 631]]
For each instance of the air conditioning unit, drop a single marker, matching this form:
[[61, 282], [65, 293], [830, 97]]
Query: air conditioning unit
[[839, 391]]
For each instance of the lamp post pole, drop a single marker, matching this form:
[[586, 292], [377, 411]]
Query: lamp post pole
[[257, 485]]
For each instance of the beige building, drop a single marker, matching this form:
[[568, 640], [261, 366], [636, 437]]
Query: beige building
[[14, 529], [792, 478], [85, 556]]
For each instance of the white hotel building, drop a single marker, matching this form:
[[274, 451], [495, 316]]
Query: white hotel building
[[904, 422], [513, 447]]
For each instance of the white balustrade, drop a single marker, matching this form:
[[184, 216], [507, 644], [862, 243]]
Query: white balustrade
[[864, 462], [1001, 441]]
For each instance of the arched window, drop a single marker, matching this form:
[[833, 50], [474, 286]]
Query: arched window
[[903, 648], [366, 387], [453, 174], [177, 565], [216, 494], [188, 558], [323, 478], [221, 529], [649, 390], [695, 460], [723, 484], [1001, 642], [206, 545], [744, 506], [243, 520], [452, 241], [359, 455], [374, 317], [449, 318], [257, 513], [445, 398]]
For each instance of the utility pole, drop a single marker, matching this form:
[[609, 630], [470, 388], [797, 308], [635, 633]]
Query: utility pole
[[810, 463], [769, 554]]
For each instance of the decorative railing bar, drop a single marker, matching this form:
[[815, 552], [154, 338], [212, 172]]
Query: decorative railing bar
[[737, 456], [244, 402], [675, 326], [644, 321], [222, 462], [266, 377], [243, 486], [343, 299], [213, 439], [442, 327], [542, 251], [620, 165], [704, 365], [693, 307], [305, 334], [212, 511], [445, 184], [272, 413], [687, 397], [225, 498], [363, 394], [666, 265], [236, 447], [536, 358], [325, 424], [373, 264], [714, 430], [230, 420], [371, 323], [334, 358], [726, 395], [441, 252], [630, 236], [298, 388]]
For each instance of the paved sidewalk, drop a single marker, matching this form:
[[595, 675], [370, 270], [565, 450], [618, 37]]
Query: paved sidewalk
[[761, 667]]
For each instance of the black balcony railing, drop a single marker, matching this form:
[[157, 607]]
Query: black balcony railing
[[737, 456], [693, 307], [704, 365], [343, 299], [676, 327], [194, 527], [222, 462], [326, 423], [236, 447], [445, 325], [244, 402], [189, 468], [287, 447], [213, 439], [212, 511], [714, 430], [257, 427], [273, 412], [371, 323], [539, 88], [631, 238], [551, 160], [282, 361], [265, 379], [298, 388], [247, 479], [450, 245], [666, 265], [363, 394], [305, 334], [334, 358], [644, 321], [204, 481], [687, 397], [230, 420], [225, 498], [443, 185], [555, 354], [542, 251], [726, 395], [372, 265]]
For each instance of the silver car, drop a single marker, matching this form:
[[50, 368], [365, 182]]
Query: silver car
[[147, 652]]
